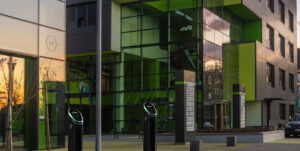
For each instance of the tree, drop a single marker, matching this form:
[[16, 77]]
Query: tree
[[16, 94], [48, 75]]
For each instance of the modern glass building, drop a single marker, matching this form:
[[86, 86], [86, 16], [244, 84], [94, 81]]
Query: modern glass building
[[145, 42], [32, 39]]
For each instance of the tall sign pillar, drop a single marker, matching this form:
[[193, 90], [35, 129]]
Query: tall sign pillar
[[185, 108], [239, 106]]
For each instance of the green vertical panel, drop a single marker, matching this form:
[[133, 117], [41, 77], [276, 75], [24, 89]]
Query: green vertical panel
[[42, 124], [247, 68], [230, 69], [253, 31]]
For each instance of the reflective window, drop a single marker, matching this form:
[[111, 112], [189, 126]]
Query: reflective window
[[270, 37], [18, 36], [130, 39], [71, 14], [271, 5], [270, 75], [52, 13], [52, 43], [291, 82], [208, 18], [282, 45], [208, 49], [131, 9], [51, 70], [282, 111], [151, 36], [26, 9], [81, 16], [291, 21], [18, 96], [130, 24], [92, 11], [209, 33], [282, 11], [291, 51], [282, 79], [52, 80], [183, 25], [218, 38]]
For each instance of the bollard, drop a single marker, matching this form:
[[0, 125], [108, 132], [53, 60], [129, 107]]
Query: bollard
[[75, 130], [231, 141], [150, 114], [196, 145]]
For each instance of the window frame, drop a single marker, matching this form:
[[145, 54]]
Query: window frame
[[291, 21], [291, 52], [282, 79], [271, 37], [270, 4], [282, 111], [291, 83], [270, 75], [282, 45], [282, 11]]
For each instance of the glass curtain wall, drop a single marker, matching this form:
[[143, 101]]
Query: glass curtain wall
[[220, 26], [158, 38]]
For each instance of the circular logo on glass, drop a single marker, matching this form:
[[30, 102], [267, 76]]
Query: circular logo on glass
[[51, 43]]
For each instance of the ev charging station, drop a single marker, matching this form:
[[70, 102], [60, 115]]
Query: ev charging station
[[150, 115], [75, 130]]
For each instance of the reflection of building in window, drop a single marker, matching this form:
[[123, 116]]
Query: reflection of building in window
[[282, 79], [291, 51], [105, 78], [271, 5], [270, 37], [270, 75], [291, 82], [282, 45], [282, 11], [282, 111], [291, 21], [84, 15]]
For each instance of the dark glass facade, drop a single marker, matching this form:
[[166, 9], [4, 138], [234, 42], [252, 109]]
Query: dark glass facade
[[157, 39]]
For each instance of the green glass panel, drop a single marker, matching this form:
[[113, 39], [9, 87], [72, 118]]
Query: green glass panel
[[155, 52], [151, 36], [184, 25], [130, 24], [130, 39], [132, 9]]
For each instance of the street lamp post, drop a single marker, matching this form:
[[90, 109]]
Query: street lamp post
[[98, 79]]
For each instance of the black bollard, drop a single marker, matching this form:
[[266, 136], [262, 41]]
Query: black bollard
[[75, 130], [150, 114]]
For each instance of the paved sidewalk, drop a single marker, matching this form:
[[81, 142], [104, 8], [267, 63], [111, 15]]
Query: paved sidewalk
[[270, 147]]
